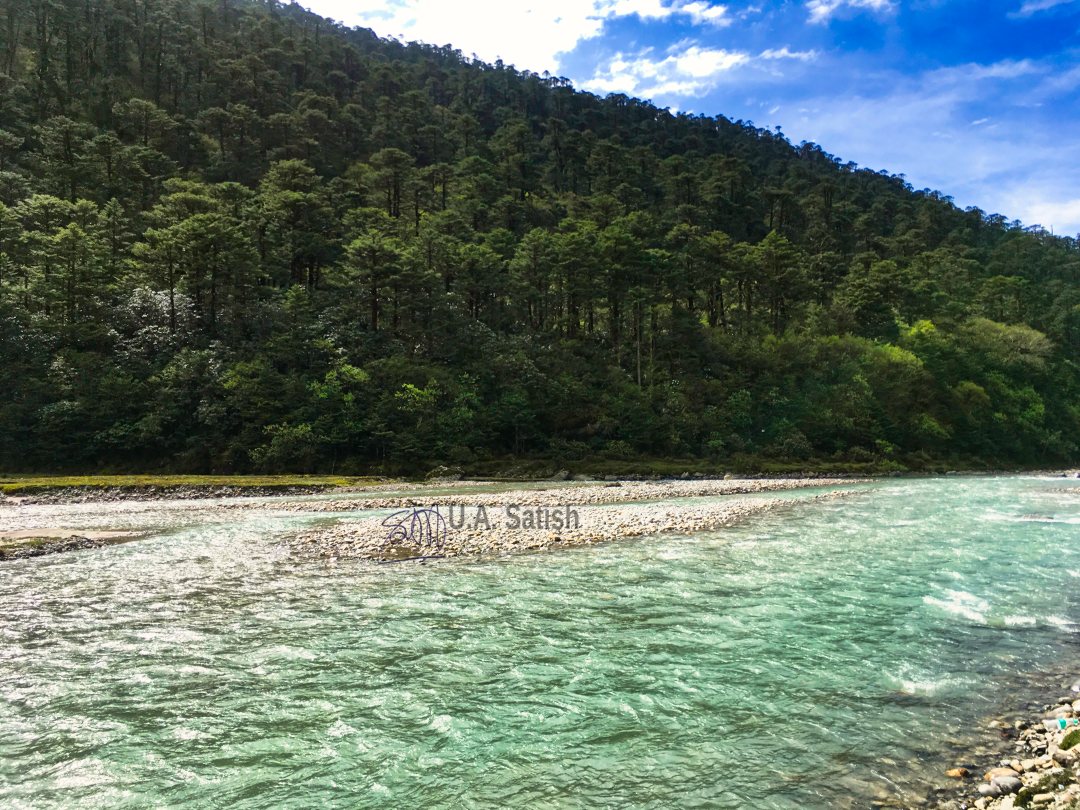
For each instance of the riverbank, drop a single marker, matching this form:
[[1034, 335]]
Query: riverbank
[[38, 543], [517, 530], [60, 522], [65, 489], [495, 523], [109, 488], [551, 494], [741, 466], [1033, 766]]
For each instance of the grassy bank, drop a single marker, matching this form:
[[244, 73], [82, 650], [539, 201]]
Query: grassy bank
[[523, 469], [25, 485]]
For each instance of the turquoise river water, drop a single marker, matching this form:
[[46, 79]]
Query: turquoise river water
[[827, 654]]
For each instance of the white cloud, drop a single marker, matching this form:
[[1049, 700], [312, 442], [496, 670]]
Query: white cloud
[[822, 10], [1012, 164], [698, 11], [704, 13], [1061, 215], [688, 70], [1005, 69], [787, 53], [1035, 6], [529, 34]]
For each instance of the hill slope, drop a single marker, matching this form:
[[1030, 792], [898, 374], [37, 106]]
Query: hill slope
[[237, 236]]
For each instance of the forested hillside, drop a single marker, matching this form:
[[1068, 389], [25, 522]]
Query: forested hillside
[[236, 236]]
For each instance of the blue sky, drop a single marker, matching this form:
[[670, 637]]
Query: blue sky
[[977, 99]]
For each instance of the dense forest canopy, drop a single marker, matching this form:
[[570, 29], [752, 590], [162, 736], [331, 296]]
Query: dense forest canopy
[[238, 236]]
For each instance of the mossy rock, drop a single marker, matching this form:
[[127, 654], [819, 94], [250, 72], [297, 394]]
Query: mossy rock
[[1070, 739], [1048, 784]]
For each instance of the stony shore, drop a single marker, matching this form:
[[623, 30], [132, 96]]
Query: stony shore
[[66, 495], [23, 545], [59, 495], [1038, 768], [31, 527], [483, 524], [553, 494]]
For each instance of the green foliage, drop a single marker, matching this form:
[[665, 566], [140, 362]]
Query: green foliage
[[237, 236]]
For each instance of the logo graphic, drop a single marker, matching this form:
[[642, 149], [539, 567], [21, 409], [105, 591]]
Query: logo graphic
[[425, 529]]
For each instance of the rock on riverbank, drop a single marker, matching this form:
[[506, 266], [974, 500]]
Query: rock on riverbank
[[1041, 772]]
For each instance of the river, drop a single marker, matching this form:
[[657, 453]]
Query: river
[[824, 654]]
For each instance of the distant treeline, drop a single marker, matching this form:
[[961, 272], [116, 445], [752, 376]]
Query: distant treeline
[[237, 236]]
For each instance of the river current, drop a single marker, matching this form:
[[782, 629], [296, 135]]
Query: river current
[[825, 654]]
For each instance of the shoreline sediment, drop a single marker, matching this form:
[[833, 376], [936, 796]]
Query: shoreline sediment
[[184, 492], [1033, 767], [630, 508], [247, 493], [554, 494], [21, 545], [483, 524]]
